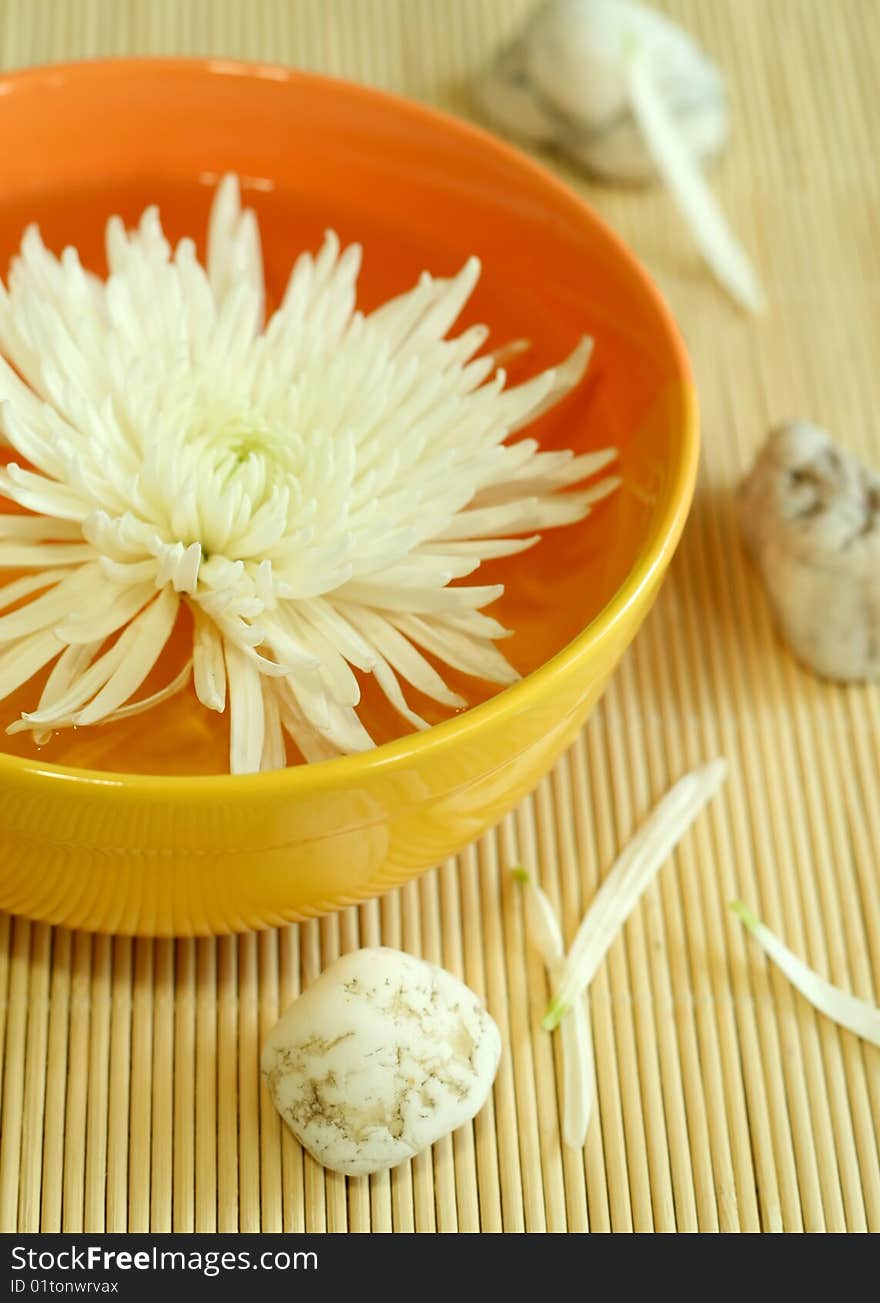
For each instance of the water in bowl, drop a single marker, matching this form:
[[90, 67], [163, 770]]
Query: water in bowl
[[551, 592]]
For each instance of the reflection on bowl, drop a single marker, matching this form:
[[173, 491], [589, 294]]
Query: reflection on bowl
[[94, 834]]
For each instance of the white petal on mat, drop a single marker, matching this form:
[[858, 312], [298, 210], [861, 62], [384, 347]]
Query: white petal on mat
[[247, 716], [541, 920], [847, 1010], [209, 664], [577, 1044], [689, 188], [578, 1088], [633, 872]]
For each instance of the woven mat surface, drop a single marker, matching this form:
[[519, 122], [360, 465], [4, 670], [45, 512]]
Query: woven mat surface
[[130, 1093]]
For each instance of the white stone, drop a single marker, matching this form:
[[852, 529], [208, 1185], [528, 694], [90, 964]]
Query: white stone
[[378, 1059], [810, 514]]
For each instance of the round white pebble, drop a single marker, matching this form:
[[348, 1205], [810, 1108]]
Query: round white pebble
[[378, 1059]]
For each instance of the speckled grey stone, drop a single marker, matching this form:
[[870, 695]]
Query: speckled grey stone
[[810, 514]]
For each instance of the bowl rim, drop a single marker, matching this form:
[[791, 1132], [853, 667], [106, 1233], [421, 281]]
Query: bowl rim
[[657, 548]]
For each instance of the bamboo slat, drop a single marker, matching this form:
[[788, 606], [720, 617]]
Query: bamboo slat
[[129, 1090]]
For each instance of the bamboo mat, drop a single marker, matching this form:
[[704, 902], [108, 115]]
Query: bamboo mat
[[130, 1094]]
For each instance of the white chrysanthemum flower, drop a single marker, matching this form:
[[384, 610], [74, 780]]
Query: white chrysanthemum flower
[[311, 488]]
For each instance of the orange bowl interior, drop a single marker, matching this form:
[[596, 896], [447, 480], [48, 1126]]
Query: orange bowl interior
[[419, 193]]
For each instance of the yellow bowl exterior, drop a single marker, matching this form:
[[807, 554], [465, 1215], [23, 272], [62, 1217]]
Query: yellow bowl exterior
[[130, 854]]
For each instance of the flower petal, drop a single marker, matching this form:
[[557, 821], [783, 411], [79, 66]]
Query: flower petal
[[25, 556], [39, 529], [234, 252], [25, 658], [274, 751], [402, 656], [177, 684], [128, 661], [113, 609], [153, 627], [209, 665], [19, 588], [858, 1016], [313, 745], [247, 716], [462, 651], [51, 607]]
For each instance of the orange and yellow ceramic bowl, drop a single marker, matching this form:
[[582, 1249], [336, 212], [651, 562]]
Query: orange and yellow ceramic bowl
[[135, 830]]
